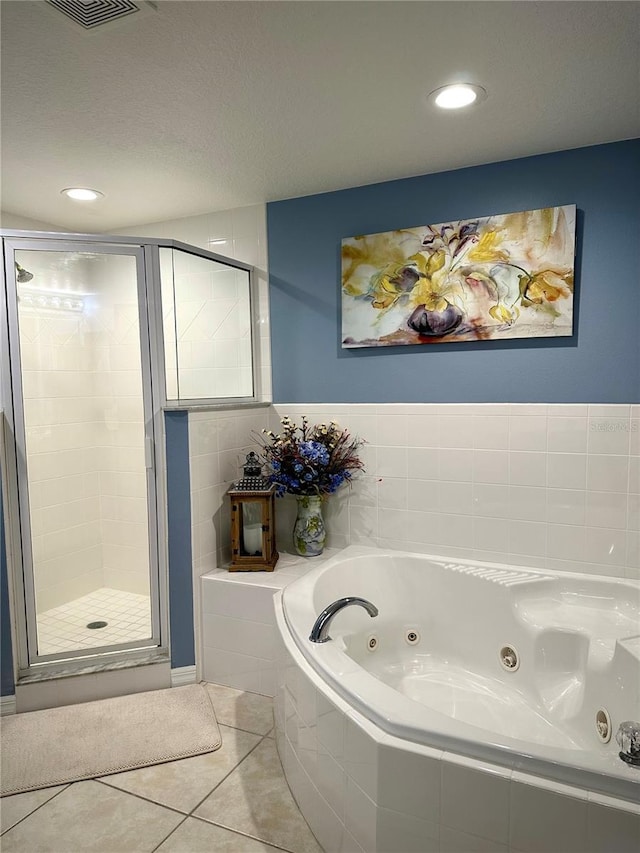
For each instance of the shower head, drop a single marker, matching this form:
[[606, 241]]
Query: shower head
[[23, 274]]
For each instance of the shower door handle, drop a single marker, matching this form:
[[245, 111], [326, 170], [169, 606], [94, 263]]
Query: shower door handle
[[149, 452]]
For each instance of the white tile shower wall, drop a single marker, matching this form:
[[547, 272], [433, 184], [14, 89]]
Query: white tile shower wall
[[83, 408], [552, 486], [241, 234], [218, 444], [59, 373], [119, 409]]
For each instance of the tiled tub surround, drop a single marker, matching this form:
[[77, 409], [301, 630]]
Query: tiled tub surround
[[549, 486], [363, 790], [436, 673], [239, 634]]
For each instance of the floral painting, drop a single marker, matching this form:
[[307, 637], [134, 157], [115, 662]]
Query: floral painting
[[492, 278]]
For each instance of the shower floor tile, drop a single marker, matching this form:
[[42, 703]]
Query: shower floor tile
[[64, 628]]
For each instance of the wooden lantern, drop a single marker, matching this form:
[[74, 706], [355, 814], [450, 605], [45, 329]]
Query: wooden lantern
[[253, 534]]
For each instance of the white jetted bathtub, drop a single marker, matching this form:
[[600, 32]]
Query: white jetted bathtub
[[525, 671]]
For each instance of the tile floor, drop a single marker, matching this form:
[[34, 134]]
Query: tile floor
[[234, 800], [64, 628]]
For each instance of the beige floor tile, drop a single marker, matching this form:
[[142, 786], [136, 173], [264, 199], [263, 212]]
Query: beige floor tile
[[255, 799], [14, 808], [183, 784], [196, 836], [89, 816], [247, 711]]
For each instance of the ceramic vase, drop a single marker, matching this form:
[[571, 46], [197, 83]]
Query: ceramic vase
[[309, 533]]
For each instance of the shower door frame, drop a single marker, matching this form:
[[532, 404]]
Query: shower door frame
[[29, 662]]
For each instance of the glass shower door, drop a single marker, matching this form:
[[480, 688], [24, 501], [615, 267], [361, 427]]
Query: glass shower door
[[83, 426]]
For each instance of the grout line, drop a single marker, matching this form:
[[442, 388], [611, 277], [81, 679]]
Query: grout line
[[186, 817], [102, 780], [226, 776], [37, 808]]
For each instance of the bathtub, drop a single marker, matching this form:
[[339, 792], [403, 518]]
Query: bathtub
[[516, 672]]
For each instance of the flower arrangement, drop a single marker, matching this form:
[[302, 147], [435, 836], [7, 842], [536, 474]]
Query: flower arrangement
[[310, 460]]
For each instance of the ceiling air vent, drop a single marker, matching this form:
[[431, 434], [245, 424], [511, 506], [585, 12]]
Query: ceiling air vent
[[94, 13]]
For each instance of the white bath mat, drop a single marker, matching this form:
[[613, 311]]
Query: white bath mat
[[44, 748]]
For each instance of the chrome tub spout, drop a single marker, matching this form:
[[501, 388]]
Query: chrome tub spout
[[319, 632]]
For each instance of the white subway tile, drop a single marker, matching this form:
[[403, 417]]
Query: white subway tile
[[491, 534], [423, 430], [566, 506], [633, 512], [475, 801], [527, 537], [456, 431], [490, 432], [606, 509], [491, 500], [528, 433], [567, 470], [423, 527], [392, 525], [609, 434], [455, 498], [456, 464], [407, 832], [392, 430], [423, 495], [567, 434], [490, 466], [455, 530], [527, 468], [634, 475], [360, 816], [422, 463], [392, 493], [606, 546], [452, 841], [409, 781], [607, 473], [239, 635], [546, 821], [611, 829], [566, 542], [392, 462], [528, 503]]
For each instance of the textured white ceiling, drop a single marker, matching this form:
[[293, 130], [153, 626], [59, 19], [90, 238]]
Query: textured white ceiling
[[203, 106]]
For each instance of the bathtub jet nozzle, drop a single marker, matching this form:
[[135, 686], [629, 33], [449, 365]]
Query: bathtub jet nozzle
[[319, 632]]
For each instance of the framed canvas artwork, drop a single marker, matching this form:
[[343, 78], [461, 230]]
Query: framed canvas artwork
[[493, 278]]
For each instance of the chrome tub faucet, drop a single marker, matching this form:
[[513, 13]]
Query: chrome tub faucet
[[319, 632]]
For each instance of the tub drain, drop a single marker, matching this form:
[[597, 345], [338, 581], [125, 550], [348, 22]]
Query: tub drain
[[99, 624]]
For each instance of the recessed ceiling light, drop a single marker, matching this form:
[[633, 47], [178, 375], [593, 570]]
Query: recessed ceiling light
[[457, 95], [82, 193]]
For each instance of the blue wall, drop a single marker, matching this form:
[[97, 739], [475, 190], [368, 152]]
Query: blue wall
[[179, 522], [599, 363]]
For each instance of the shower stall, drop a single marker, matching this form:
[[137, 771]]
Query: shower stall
[[99, 336]]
